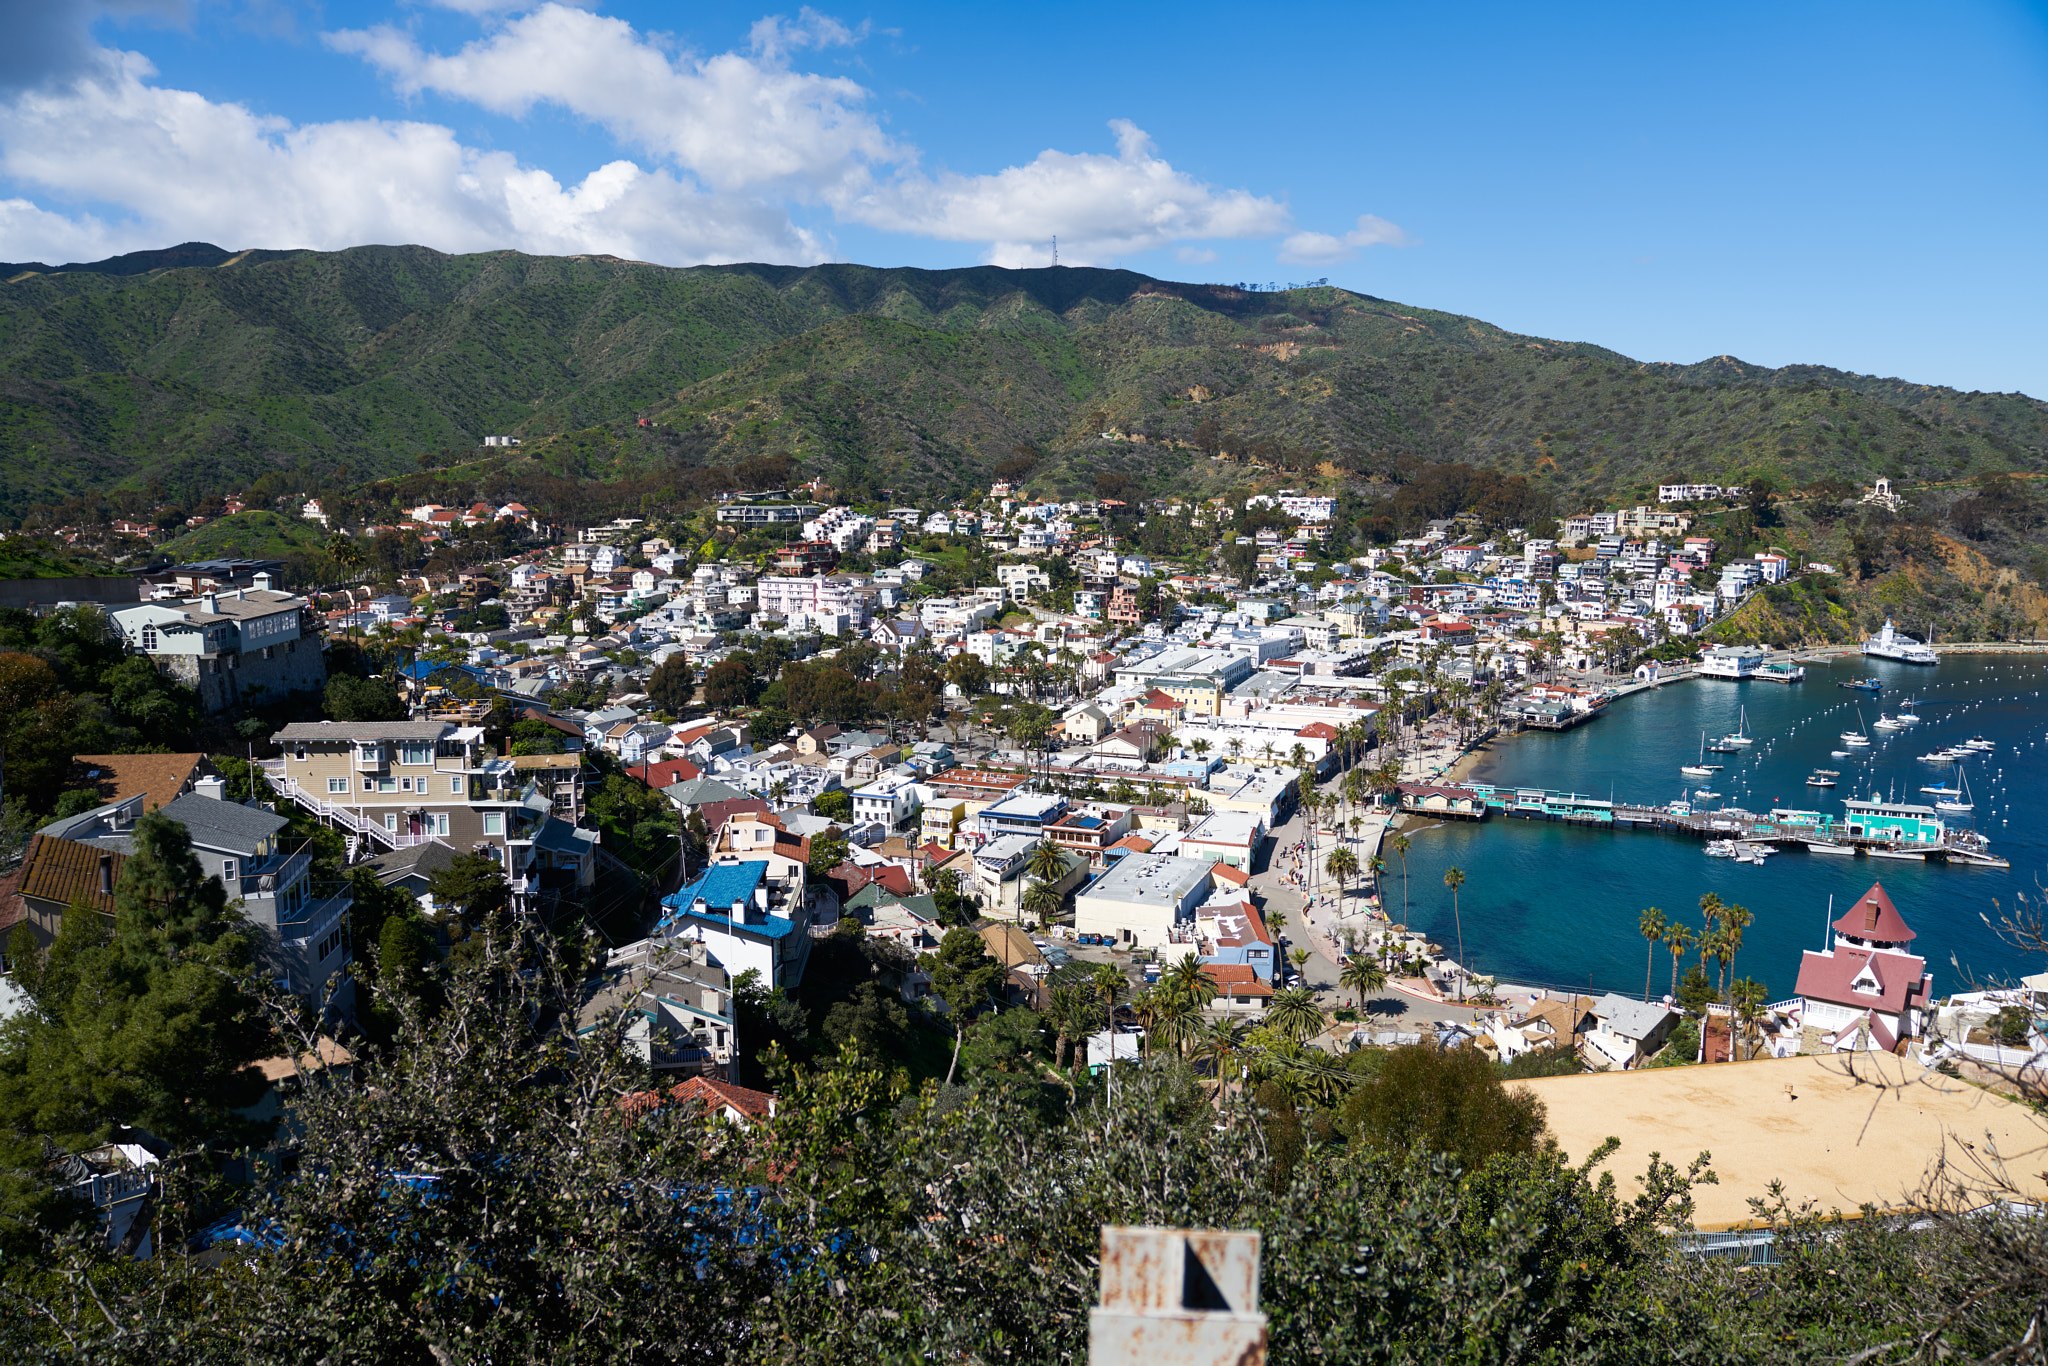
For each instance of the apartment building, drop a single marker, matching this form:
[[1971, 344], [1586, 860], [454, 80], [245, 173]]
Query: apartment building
[[815, 594], [392, 784], [254, 643]]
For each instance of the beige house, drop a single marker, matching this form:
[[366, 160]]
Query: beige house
[[393, 784]]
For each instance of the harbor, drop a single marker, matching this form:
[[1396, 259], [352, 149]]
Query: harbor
[[1551, 830]]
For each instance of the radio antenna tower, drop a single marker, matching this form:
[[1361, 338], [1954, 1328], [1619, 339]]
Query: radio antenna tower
[[1055, 249]]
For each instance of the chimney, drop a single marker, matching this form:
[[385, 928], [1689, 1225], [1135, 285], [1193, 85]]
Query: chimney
[[106, 874], [215, 787], [261, 581], [210, 602]]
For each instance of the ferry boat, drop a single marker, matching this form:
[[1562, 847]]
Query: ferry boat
[[1864, 684], [1888, 643]]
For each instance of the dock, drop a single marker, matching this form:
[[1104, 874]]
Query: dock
[[1868, 829]]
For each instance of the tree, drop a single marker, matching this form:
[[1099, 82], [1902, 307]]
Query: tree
[[1651, 925], [673, 685], [1043, 901], [964, 976], [1454, 878], [1046, 862], [1361, 976], [362, 699], [1294, 1014], [1399, 844], [147, 1021], [1450, 1101], [834, 804], [1678, 939], [1341, 864], [472, 887], [728, 684]]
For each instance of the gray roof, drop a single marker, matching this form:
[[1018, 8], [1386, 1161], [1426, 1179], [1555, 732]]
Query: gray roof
[[560, 837], [1630, 1019], [697, 791], [220, 824], [348, 732], [415, 860]]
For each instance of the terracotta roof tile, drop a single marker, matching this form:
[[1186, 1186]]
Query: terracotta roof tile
[[117, 777], [56, 870]]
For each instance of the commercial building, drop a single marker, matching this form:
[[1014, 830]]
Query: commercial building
[[1143, 898]]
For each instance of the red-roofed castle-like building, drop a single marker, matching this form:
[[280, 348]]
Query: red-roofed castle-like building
[[1865, 991]]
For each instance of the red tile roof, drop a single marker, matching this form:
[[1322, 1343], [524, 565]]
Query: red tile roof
[[721, 1094], [667, 773], [1236, 980], [1901, 977], [1874, 917], [1236, 877], [1318, 730]]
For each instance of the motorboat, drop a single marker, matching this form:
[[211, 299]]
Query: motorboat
[[1978, 743], [1721, 849], [1838, 753], [1916, 855], [1864, 684], [1855, 740], [1820, 780], [1942, 790], [1887, 722], [1940, 756], [1721, 747], [1824, 847], [1703, 794]]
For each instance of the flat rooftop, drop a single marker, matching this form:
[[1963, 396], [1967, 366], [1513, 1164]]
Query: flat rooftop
[[1842, 1143]]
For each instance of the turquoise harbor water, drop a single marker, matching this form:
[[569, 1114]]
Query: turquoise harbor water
[[1558, 905]]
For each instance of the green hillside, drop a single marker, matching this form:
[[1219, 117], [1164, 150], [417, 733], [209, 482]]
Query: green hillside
[[251, 535], [188, 379]]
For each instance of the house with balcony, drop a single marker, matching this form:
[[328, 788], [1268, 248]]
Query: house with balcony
[[674, 1006], [744, 920], [1090, 831], [893, 800], [392, 784], [1021, 813], [251, 644], [302, 927]]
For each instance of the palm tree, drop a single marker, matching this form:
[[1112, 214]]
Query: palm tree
[[1069, 1017], [1678, 939], [1189, 974], [1377, 866], [1361, 977], [1267, 750], [1109, 985], [1651, 926], [1399, 844], [1276, 921], [1220, 1042], [1200, 749], [1300, 958], [1454, 878], [1236, 747], [1047, 862], [1746, 995], [1043, 900], [1734, 920], [1171, 1016], [1341, 863], [1294, 1014]]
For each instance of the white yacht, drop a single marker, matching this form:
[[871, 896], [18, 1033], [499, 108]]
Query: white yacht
[[1890, 644], [1886, 721], [1979, 743]]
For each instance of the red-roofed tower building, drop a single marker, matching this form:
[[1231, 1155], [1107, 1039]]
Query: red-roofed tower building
[[1865, 991]]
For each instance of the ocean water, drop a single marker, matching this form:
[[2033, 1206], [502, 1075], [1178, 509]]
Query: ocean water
[[1557, 905]]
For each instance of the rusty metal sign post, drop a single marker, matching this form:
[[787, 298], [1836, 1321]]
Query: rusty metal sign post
[[1178, 1297]]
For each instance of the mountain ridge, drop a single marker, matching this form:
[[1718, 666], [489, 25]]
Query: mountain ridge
[[195, 370]]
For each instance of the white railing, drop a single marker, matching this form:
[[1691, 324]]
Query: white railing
[[351, 820]]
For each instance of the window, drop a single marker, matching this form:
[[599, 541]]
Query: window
[[416, 754], [335, 785], [387, 784], [149, 638], [437, 822], [391, 821], [455, 787], [405, 784], [494, 822], [369, 784], [299, 754], [227, 870]]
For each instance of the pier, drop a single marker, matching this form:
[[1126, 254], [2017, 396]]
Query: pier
[[1871, 829]]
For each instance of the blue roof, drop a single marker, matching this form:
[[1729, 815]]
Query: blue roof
[[721, 885], [427, 669]]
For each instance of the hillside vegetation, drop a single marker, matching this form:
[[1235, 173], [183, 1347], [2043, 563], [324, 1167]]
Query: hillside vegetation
[[208, 370]]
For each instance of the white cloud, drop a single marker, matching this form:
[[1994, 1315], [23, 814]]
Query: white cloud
[[735, 121], [1194, 256], [1323, 249], [1099, 206], [179, 166]]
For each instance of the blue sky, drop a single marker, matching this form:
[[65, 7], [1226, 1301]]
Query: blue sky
[[1854, 185]]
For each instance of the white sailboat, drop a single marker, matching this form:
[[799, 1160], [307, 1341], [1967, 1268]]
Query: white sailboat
[[1855, 739], [1741, 738], [1960, 805], [1700, 769]]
